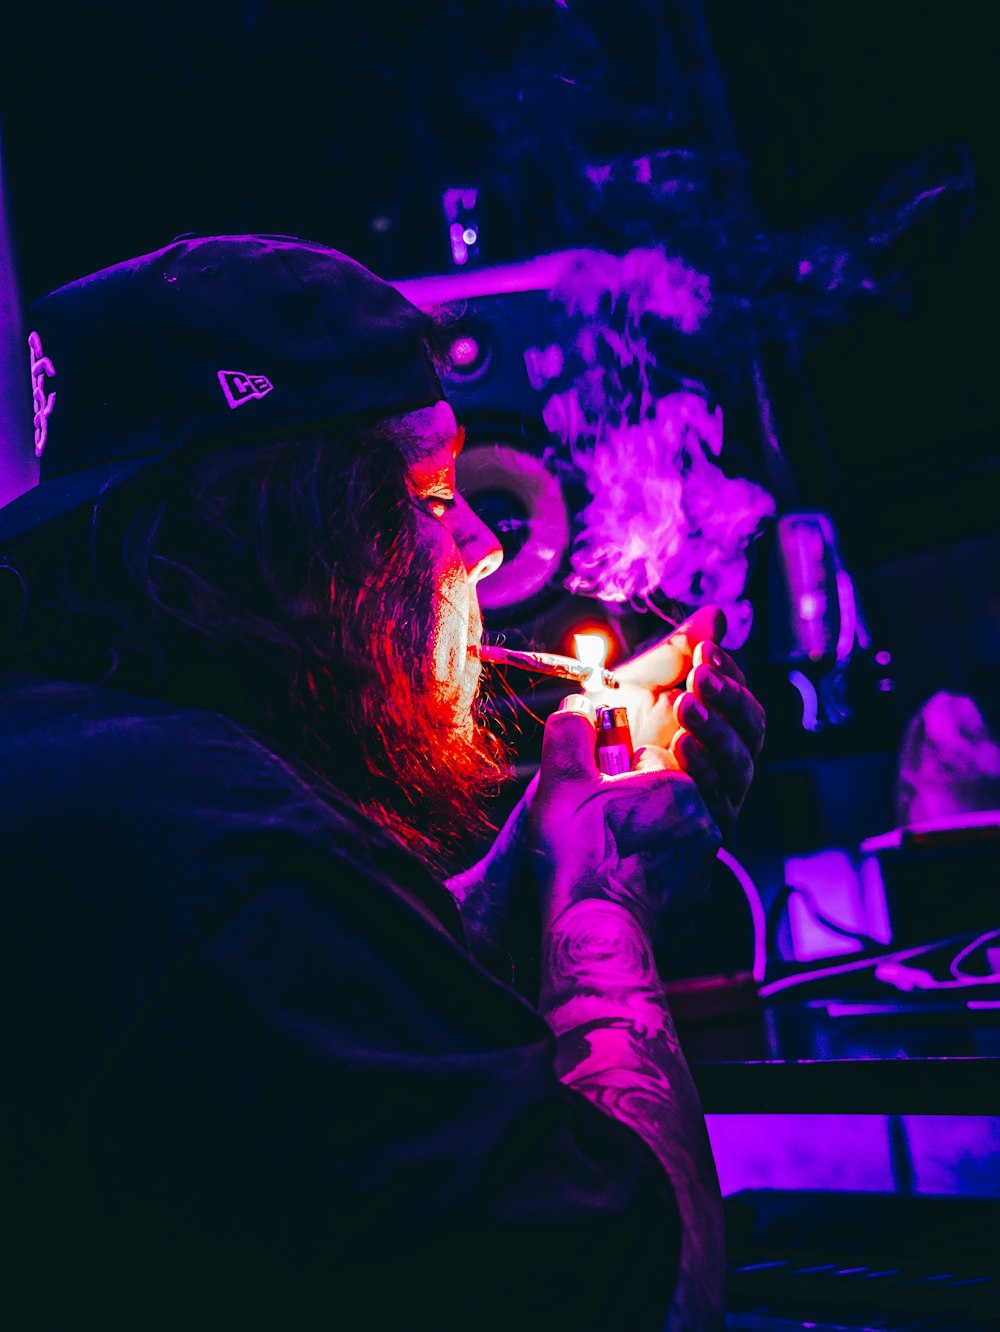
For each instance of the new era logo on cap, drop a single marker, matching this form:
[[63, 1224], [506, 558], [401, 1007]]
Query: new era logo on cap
[[240, 388]]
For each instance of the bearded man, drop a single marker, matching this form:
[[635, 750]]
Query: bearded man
[[257, 1075]]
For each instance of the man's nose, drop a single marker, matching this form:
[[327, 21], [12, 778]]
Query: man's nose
[[479, 547]]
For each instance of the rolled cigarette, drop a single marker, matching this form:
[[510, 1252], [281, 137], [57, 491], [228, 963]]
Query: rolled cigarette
[[547, 663]]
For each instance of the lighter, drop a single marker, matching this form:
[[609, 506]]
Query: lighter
[[614, 741]]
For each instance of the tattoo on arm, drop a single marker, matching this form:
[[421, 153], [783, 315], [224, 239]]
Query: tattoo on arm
[[617, 1045]]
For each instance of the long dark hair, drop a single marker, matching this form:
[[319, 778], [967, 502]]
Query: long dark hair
[[283, 585]]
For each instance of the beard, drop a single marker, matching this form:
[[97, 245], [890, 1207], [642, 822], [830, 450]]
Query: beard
[[431, 764], [447, 773]]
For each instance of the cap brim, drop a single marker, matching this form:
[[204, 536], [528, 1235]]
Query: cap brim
[[51, 500]]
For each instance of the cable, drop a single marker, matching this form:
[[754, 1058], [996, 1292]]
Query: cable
[[914, 978], [960, 957], [757, 914], [803, 978]]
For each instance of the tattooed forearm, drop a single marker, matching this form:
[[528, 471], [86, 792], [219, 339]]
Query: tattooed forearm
[[616, 1044]]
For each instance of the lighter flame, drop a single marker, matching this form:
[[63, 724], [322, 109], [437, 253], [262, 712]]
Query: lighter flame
[[591, 649]]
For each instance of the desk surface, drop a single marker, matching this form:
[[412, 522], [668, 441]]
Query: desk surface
[[815, 1058]]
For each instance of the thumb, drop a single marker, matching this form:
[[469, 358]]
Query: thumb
[[568, 743]]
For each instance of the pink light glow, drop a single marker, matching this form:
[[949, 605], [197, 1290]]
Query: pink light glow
[[464, 351]]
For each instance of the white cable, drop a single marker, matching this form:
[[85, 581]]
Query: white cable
[[960, 957], [757, 913], [803, 978]]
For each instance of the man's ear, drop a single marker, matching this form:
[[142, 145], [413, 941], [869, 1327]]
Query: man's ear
[[13, 604]]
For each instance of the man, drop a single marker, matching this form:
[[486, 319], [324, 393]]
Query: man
[[259, 1079]]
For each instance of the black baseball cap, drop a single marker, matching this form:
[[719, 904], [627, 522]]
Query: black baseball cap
[[210, 341]]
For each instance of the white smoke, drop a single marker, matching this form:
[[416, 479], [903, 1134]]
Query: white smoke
[[663, 517]]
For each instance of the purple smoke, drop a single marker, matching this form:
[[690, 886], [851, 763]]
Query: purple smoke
[[664, 517]]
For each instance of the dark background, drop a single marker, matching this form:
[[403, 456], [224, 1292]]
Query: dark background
[[799, 130]]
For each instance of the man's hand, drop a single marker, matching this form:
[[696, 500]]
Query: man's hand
[[591, 835], [720, 731], [715, 730], [668, 731]]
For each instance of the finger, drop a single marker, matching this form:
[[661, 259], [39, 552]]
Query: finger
[[726, 697], [652, 758], [692, 757], [729, 755], [568, 741], [667, 662], [710, 653]]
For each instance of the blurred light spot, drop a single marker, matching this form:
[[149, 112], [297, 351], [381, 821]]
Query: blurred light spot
[[883, 658], [464, 351], [470, 235], [810, 703], [459, 249]]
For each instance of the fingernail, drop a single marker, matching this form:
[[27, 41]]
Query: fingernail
[[578, 703], [711, 654], [711, 684]]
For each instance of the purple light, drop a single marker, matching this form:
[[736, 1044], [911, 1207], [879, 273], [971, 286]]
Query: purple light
[[848, 613], [810, 701], [543, 364], [41, 367], [883, 658], [459, 249], [464, 351]]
